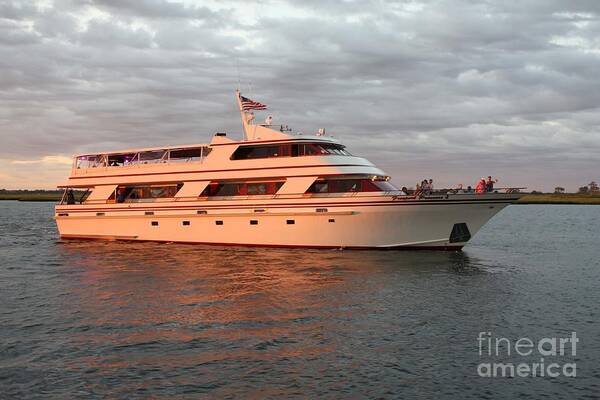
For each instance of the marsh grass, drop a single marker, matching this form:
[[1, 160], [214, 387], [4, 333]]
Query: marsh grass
[[560, 199]]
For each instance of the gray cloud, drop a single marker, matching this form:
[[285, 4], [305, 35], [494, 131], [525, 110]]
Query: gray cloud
[[452, 90], [158, 9]]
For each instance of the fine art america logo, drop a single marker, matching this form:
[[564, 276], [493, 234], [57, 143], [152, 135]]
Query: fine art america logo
[[552, 356]]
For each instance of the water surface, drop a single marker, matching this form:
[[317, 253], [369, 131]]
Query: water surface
[[83, 319]]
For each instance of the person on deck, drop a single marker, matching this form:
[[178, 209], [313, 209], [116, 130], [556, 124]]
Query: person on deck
[[121, 195], [490, 184], [481, 186], [425, 186], [70, 197]]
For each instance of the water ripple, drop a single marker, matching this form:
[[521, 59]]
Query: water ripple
[[145, 320]]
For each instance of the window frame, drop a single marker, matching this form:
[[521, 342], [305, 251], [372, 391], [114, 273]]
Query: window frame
[[293, 149], [242, 188], [350, 184]]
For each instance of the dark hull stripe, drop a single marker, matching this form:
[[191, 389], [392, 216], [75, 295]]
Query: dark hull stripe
[[294, 205], [437, 248]]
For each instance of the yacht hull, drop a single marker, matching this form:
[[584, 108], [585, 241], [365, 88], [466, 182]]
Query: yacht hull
[[342, 223]]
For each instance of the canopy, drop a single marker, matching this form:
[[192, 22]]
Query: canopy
[[101, 192], [192, 189], [297, 185]]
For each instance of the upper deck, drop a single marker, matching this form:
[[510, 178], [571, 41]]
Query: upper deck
[[110, 161], [224, 158]]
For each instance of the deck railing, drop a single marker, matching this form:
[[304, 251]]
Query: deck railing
[[103, 162], [396, 194]]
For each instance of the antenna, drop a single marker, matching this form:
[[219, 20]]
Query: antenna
[[237, 70]]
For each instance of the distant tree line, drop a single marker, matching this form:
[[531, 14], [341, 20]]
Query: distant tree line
[[590, 188], [27, 191]]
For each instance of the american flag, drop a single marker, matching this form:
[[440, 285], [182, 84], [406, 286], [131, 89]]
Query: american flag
[[248, 104]]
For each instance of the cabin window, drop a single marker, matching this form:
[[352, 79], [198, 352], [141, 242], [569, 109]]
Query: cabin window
[[132, 194], [74, 196], [188, 155], [261, 188], [151, 157], [319, 187], [289, 150], [242, 188], [118, 160], [350, 185], [385, 186], [91, 161]]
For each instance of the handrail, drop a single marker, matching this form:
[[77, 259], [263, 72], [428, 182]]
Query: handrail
[[396, 195], [136, 162], [104, 168]]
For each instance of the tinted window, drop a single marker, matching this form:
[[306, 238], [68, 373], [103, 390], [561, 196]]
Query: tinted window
[[186, 155], [127, 194], [287, 150], [151, 156], [242, 188], [349, 185]]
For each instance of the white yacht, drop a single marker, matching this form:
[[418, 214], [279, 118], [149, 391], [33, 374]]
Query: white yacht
[[273, 188]]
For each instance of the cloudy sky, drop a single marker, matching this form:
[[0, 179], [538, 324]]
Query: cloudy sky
[[451, 90]]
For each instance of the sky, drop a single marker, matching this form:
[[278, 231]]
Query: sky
[[449, 90]]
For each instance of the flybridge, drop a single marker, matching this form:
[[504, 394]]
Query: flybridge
[[142, 157]]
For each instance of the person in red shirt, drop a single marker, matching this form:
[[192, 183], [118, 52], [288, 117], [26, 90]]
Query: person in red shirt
[[481, 186]]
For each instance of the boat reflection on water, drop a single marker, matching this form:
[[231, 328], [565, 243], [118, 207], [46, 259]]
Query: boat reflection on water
[[229, 313]]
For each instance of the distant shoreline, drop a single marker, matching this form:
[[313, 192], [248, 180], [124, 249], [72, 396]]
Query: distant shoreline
[[551, 198], [542, 198], [31, 196]]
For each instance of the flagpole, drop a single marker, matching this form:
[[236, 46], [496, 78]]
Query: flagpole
[[242, 114]]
